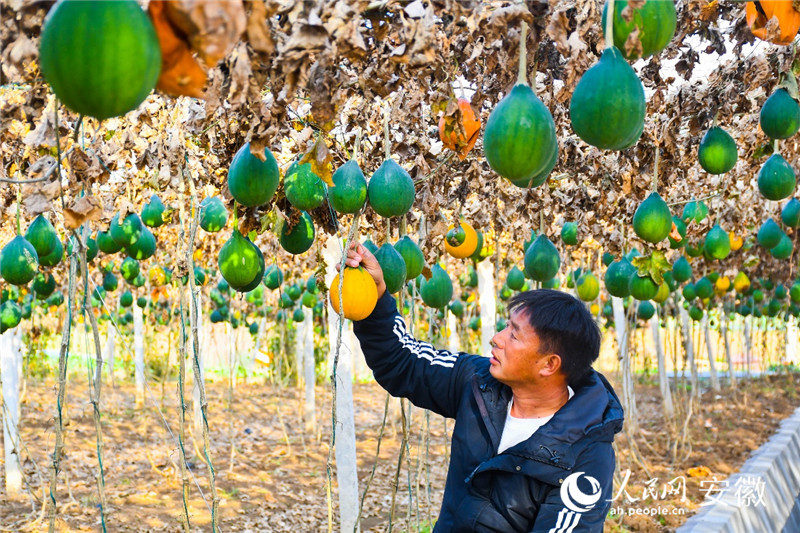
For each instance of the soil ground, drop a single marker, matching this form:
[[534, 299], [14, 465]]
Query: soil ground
[[275, 481]]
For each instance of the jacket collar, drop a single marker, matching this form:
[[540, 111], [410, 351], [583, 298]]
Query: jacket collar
[[593, 412]]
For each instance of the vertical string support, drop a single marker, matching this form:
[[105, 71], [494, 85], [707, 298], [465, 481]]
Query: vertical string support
[[329, 462], [63, 355], [196, 344], [182, 367], [63, 359], [95, 386]]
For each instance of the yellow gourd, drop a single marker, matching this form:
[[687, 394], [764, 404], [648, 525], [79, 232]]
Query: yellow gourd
[[359, 293]]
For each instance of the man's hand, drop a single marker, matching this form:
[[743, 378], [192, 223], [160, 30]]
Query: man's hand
[[359, 255]]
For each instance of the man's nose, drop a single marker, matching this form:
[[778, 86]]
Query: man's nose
[[493, 343]]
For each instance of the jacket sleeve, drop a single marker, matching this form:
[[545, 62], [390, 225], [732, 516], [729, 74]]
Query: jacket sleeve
[[409, 368], [582, 502]]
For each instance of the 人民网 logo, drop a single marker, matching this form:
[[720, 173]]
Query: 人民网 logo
[[575, 501], [574, 498]]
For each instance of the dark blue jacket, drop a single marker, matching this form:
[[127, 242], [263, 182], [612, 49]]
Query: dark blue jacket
[[557, 481]]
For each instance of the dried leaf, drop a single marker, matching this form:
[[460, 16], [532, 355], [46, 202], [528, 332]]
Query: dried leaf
[[41, 167], [125, 208], [633, 45], [321, 160], [36, 204], [83, 209], [240, 74], [213, 27], [321, 85], [258, 32]]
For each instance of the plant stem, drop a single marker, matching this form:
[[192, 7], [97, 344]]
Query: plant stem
[[19, 201], [63, 358], [351, 236], [609, 29], [387, 151], [95, 390], [522, 76], [357, 145], [655, 169], [196, 355], [182, 346], [624, 244]]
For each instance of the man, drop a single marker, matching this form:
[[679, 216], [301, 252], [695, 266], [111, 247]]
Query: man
[[532, 443]]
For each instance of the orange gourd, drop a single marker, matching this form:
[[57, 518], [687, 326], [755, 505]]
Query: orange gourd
[[181, 74], [759, 13], [467, 247], [736, 241], [459, 130], [359, 293]]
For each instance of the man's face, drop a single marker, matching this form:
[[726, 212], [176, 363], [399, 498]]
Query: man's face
[[517, 358]]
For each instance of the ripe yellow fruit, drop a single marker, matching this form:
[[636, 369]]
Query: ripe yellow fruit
[[466, 248], [736, 241], [723, 285], [594, 309], [359, 293], [741, 282]]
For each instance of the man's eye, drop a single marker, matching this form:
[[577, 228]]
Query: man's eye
[[513, 337]]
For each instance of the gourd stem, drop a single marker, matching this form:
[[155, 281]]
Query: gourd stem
[[714, 122], [522, 76], [235, 215], [609, 29], [357, 145], [388, 230], [775, 146], [402, 230], [386, 147], [19, 201], [624, 244], [655, 169], [541, 222]]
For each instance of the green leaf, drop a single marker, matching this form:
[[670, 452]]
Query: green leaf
[[788, 82], [751, 261], [653, 265], [764, 150], [268, 221]]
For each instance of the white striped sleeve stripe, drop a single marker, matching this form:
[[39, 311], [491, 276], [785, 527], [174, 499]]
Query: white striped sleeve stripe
[[566, 522], [422, 350]]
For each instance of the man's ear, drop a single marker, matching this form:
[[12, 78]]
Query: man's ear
[[551, 365]]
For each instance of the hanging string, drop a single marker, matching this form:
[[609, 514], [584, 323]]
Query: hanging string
[[63, 357], [185, 523], [96, 383], [329, 462], [149, 396], [196, 359]]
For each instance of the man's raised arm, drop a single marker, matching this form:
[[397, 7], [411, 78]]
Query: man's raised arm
[[404, 366]]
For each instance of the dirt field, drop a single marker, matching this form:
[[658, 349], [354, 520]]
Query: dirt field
[[276, 478]]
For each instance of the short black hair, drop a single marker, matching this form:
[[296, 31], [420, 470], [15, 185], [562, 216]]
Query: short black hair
[[564, 326]]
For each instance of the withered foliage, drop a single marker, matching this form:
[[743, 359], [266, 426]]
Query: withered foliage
[[306, 76]]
